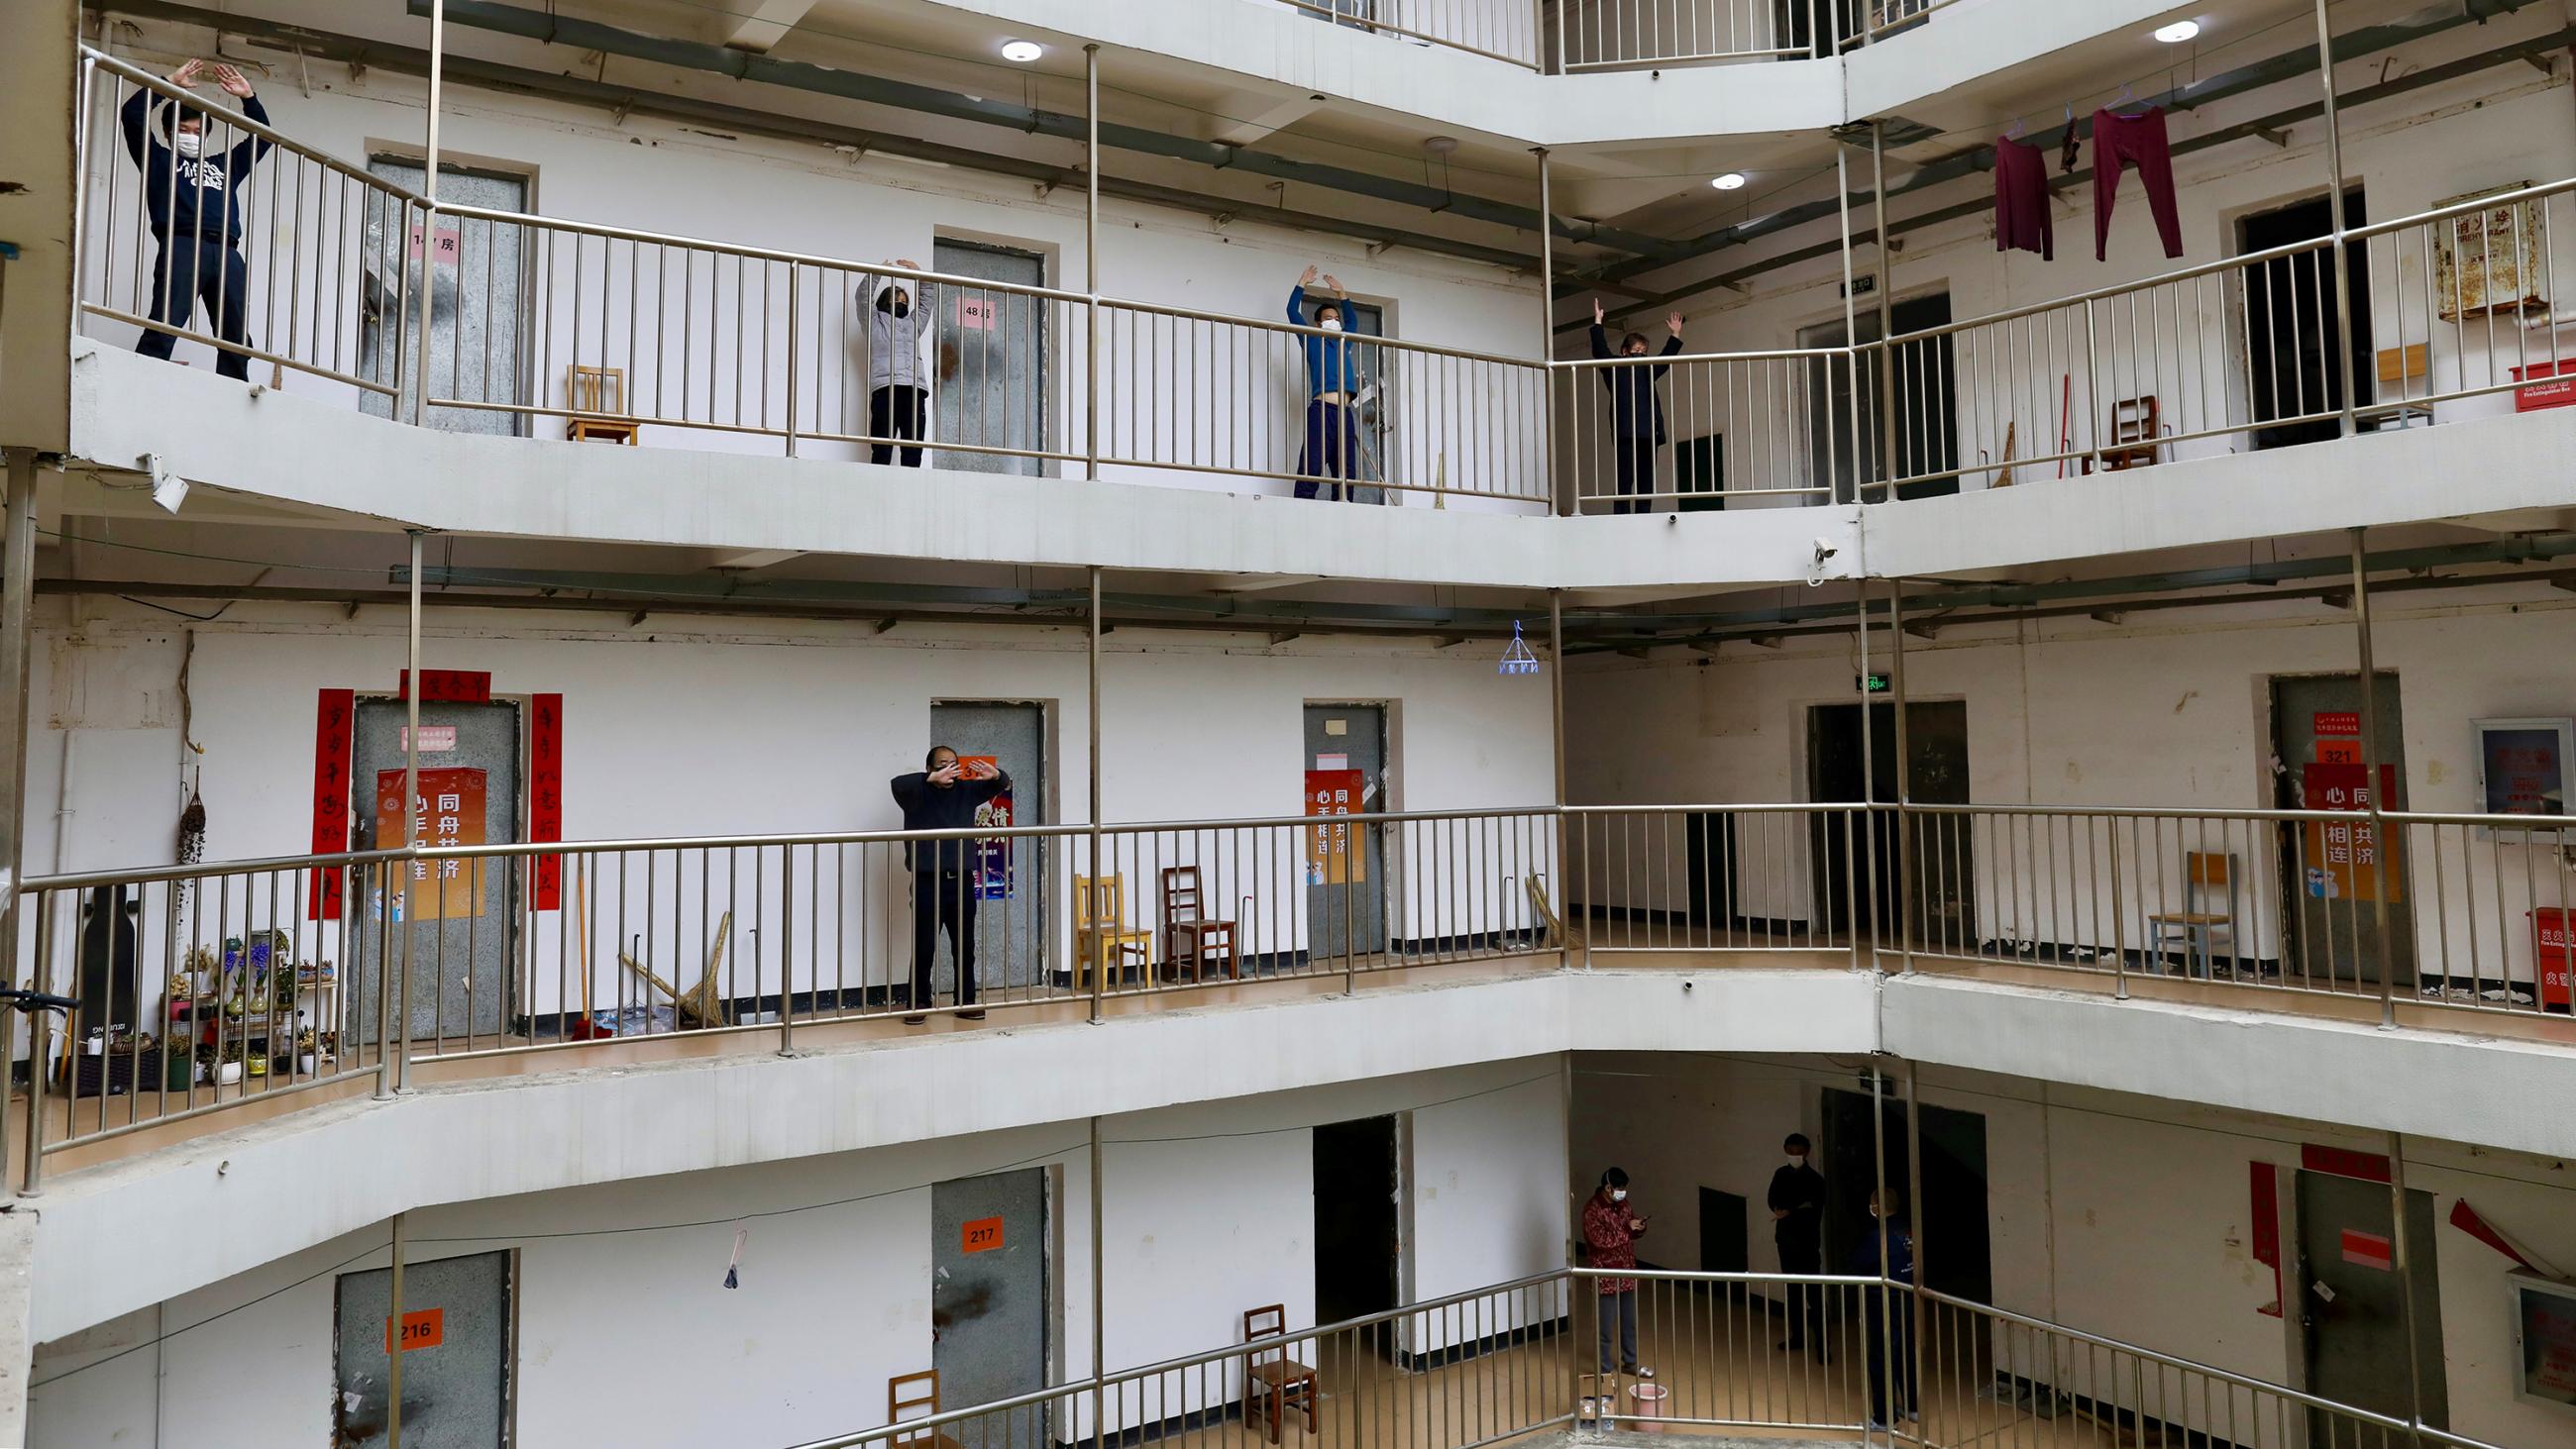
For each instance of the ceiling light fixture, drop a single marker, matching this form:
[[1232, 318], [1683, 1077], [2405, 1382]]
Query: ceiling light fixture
[[1021, 52], [2178, 32], [1731, 181]]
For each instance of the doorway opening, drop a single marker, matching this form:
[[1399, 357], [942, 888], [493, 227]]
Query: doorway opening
[[1364, 319], [1358, 1219], [1942, 863], [1953, 1214], [2332, 871], [1346, 872], [464, 915], [989, 371], [1009, 873], [476, 272], [2350, 1300], [457, 1330], [1919, 375], [991, 1309], [2294, 341]]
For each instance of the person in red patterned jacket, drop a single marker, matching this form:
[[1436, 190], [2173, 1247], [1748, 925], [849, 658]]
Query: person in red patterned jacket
[[1610, 1231]]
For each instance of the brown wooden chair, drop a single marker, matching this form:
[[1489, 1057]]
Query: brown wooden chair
[[597, 397], [916, 1396], [1188, 935], [2137, 428], [1272, 1381], [1103, 941]]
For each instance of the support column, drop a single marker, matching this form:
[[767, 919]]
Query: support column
[[17, 635], [397, 1025], [2370, 761], [2334, 209], [1099, 1295], [1886, 1345], [1864, 821], [1851, 323], [1922, 1311], [429, 216], [1091, 949], [2399, 1257], [393, 1345], [1564, 894], [1904, 785], [1091, 300], [1561, 498], [1886, 392]]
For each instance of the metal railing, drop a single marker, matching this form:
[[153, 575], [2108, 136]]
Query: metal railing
[[1715, 877], [1773, 426], [505, 949], [1499, 1363], [1608, 34], [1505, 30]]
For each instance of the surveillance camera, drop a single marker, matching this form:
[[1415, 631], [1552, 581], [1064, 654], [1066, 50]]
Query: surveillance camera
[[1825, 550]]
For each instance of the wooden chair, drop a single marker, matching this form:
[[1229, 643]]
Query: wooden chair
[[597, 397], [2195, 927], [1103, 941], [916, 1395], [1188, 935], [2137, 426], [1272, 1381]]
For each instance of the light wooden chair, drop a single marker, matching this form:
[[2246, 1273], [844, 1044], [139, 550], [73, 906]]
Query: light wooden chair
[[2195, 927], [1103, 941], [597, 397], [1189, 936], [1272, 1381], [916, 1396]]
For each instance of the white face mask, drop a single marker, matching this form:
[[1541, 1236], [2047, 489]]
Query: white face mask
[[188, 143], [1331, 324], [1618, 1194], [1798, 1159]]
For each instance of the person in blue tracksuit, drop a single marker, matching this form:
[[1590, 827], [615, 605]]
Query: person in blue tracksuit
[[1636, 414], [1887, 1317], [191, 198], [1333, 382]]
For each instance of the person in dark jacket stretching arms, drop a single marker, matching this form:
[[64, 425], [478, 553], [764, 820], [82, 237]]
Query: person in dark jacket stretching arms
[[944, 796], [1333, 385], [1636, 414], [189, 196]]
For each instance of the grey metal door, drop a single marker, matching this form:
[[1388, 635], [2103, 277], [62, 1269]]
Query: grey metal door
[[2351, 1307], [456, 1333], [989, 369], [989, 1306], [2332, 871], [1376, 414], [475, 279], [1346, 879], [462, 934], [1010, 907]]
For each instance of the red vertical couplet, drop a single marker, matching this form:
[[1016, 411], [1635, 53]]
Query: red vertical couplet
[[332, 716], [2266, 1233], [545, 795]]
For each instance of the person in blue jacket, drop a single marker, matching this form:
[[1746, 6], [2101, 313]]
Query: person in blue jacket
[[190, 198], [1333, 382], [1636, 414], [1887, 1317]]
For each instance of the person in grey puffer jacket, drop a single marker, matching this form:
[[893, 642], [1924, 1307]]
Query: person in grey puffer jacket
[[898, 398]]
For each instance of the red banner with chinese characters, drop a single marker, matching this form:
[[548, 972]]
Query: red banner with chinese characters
[[2267, 1229], [1331, 857], [992, 852], [448, 686], [545, 795], [2344, 858], [448, 811], [331, 745]]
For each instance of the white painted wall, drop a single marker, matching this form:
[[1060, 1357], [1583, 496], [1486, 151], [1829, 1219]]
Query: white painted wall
[[2165, 710], [1209, 1209], [2116, 1214], [795, 729]]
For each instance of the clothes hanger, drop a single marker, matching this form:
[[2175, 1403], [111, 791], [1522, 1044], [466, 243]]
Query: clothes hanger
[[2016, 130]]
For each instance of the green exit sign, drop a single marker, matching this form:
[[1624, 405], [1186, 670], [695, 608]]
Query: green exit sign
[[1870, 684]]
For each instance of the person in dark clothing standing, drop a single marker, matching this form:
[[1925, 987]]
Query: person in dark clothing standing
[[1797, 1201], [195, 215], [1887, 1316], [944, 795], [1636, 414]]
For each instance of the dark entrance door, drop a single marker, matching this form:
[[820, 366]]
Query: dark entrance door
[[1356, 1223], [1950, 1222], [1346, 901], [2293, 339], [1937, 736], [1918, 375], [2352, 1308], [456, 1331], [2332, 871]]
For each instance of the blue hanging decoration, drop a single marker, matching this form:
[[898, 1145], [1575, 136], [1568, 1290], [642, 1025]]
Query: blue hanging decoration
[[1517, 658]]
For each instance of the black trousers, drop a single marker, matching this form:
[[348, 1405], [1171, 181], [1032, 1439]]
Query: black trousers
[[1890, 1329], [898, 412], [189, 270], [1806, 1300], [1636, 458], [943, 898]]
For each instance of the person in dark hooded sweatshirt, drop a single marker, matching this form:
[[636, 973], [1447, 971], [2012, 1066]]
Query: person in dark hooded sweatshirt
[[898, 402], [944, 795], [191, 198], [1636, 414]]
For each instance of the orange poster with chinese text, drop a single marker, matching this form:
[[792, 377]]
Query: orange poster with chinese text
[[449, 810]]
